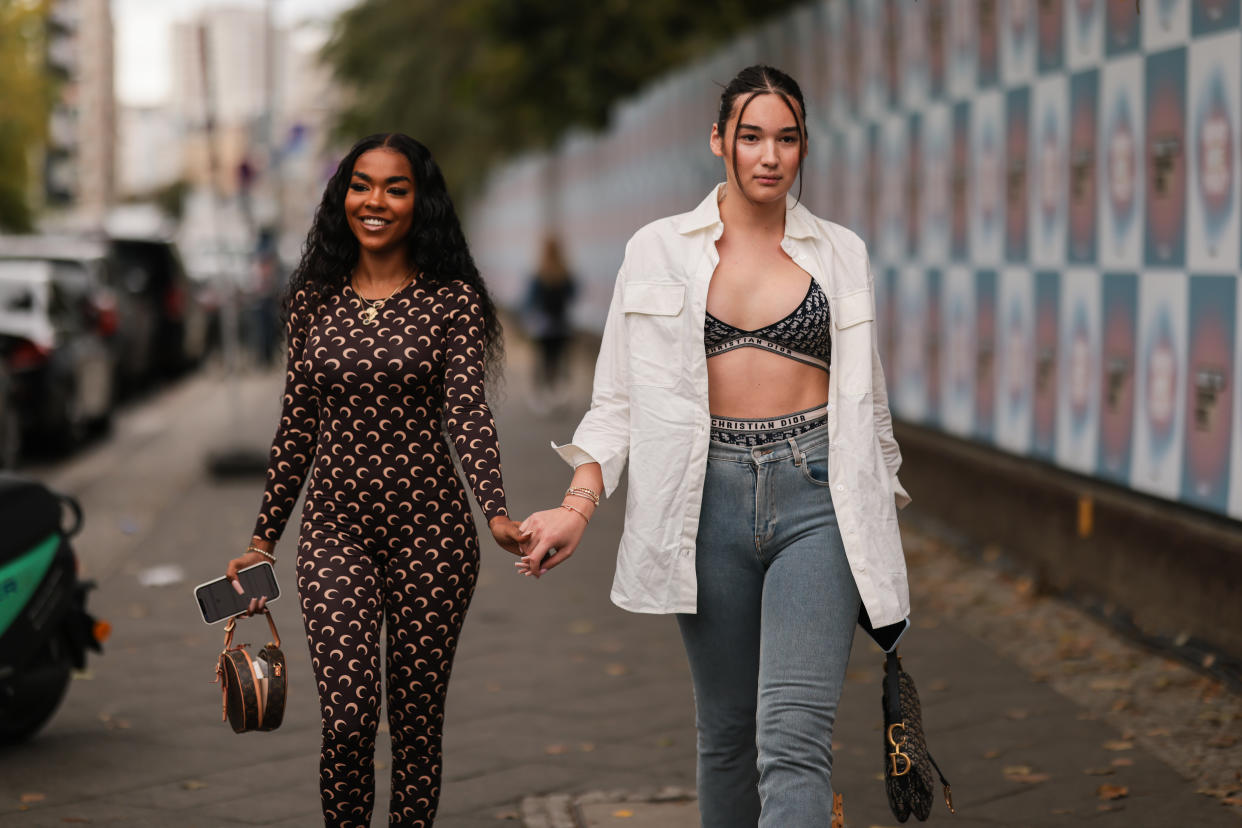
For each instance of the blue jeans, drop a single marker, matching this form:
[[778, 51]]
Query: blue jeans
[[768, 647]]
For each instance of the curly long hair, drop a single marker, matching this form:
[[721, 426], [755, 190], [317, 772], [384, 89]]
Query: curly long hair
[[435, 247]]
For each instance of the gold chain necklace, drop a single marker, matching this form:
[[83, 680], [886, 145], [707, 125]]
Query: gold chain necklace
[[371, 312]]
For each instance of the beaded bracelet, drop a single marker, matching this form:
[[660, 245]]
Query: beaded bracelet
[[261, 551], [578, 512], [583, 493]]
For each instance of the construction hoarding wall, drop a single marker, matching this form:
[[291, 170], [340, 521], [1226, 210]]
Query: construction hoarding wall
[[1049, 192]]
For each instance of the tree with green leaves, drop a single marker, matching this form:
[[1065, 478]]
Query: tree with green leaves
[[25, 103], [481, 80]]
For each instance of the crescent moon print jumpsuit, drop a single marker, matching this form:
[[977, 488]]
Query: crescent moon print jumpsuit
[[387, 537]]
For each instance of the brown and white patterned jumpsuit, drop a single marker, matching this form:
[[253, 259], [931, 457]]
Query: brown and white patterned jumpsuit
[[387, 536]]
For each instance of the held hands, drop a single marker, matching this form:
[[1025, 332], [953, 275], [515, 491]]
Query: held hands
[[507, 534], [552, 536]]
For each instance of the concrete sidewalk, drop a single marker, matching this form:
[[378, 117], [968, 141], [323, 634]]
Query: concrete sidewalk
[[564, 710]]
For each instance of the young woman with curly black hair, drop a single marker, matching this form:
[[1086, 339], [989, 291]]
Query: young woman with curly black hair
[[391, 334]]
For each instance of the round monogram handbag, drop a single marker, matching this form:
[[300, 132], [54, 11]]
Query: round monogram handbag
[[253, 686]]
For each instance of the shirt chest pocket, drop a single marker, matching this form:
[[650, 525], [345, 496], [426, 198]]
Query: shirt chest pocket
[[851, 343], [654, 322]]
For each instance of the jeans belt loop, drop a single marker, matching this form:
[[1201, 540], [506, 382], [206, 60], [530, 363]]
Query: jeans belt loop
[[798, 456]]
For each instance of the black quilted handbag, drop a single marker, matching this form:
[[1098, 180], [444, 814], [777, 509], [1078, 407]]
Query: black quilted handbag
[[907, 764], [253, 687]]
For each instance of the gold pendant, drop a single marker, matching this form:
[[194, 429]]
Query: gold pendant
[[368, 315]]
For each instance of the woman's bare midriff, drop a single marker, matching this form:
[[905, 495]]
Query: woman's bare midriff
[[749, 383]]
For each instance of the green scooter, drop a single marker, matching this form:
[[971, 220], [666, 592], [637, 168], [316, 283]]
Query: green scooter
[[45, 630]]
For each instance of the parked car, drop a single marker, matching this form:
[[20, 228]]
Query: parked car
[[56, 325], [151, 273], [133, 341]]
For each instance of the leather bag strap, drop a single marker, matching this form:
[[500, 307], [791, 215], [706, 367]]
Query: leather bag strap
[[892, 685]]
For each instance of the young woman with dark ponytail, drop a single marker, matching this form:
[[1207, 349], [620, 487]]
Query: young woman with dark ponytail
[[739, 375], [391, 334]]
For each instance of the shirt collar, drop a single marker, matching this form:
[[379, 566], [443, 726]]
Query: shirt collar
[[799, 223]]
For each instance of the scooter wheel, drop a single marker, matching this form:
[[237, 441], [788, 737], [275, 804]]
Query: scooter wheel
[[26, 707]]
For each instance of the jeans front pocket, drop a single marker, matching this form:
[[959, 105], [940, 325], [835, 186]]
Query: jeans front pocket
[[815, 465]]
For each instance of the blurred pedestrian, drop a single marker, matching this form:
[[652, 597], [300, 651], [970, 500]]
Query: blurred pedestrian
[[264, 305], [546, 313], [739, 375], [391, 332]]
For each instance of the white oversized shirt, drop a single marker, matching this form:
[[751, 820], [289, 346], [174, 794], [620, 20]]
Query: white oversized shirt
[[649, 404]]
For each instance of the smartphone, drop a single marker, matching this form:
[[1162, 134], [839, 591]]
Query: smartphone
[[218, 600]]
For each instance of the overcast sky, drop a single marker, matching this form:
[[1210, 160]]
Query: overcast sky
[[142, 37]]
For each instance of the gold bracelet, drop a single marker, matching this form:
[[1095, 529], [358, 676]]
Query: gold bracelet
[[578, 512], [584, 493], [261, 551]]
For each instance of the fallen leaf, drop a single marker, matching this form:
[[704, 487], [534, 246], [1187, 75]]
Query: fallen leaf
[[555, 750], [586, 747], [991, 754], [1109, 806], [1112, 792], [493, 687], [1031, 778], [1017, 715], [1025, 775], [1062, 811], [1100, 771], [1122, 762], [1222, 741], [1120, 705], [616, 669], [664, 741], [623, 814], [508, 815], [581, 627], [939, 685], [1118, 744], [1231, 800], [29, 798], [193, 785], [1160, 731]]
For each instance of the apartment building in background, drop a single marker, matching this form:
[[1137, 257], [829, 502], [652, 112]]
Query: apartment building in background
[[79, 179]]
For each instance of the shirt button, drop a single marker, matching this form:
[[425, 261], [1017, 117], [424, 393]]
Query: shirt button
[[840, 487]]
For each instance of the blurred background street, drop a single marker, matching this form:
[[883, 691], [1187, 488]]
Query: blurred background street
[[1051, 194]]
